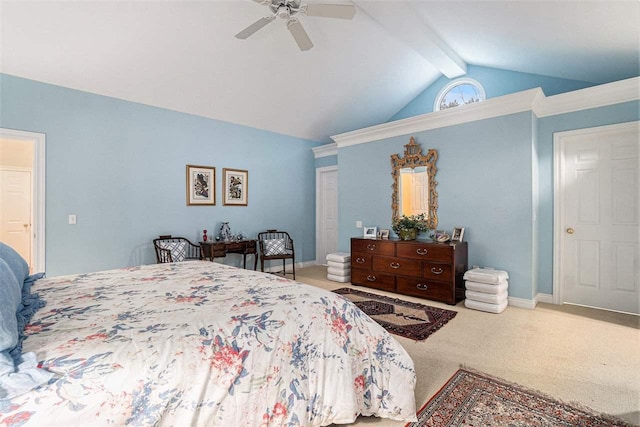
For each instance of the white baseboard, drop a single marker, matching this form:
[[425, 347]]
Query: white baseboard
[[522, 303], [530, 303], [277, 266], [546, 298]]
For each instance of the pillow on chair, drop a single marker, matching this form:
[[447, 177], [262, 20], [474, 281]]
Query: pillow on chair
[[274, 247], [178, 252]]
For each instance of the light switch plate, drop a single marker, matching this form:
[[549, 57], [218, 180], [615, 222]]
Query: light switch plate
[[358, 224], [72, 219]]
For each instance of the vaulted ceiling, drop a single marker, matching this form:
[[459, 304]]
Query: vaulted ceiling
[[182, 55]]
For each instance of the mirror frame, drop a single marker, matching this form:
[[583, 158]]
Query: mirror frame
[[413, 158]]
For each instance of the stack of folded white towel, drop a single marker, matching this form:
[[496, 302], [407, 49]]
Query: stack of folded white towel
[[486, 290], [339, 269]]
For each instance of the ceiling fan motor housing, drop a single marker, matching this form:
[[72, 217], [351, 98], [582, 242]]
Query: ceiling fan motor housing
[[285, 8]]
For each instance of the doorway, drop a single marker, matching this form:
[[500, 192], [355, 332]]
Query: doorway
[[597, 216], [22, 194], [326, 212]]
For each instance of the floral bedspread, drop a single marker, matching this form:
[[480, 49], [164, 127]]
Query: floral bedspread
[[200, 343]]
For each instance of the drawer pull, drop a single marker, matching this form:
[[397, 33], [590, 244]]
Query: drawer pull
[[371, 247], [422, 286], [437, 270], [395, 265], [371, 278], [360, 260], [422, 251]]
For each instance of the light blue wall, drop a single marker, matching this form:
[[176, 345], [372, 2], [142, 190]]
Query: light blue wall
[[496, 83], [120, 167], [484, 184], [325, 161], [495, 177], [547, 126]]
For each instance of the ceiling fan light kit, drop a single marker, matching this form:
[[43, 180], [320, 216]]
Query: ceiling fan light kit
[[286, 9]]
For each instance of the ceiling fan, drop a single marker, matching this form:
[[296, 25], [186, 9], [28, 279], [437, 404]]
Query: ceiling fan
[[287, 9]]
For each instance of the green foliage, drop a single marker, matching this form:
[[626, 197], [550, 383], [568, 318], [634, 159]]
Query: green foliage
[[411, 222]]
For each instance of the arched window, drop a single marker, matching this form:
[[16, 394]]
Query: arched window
[[459, 92]]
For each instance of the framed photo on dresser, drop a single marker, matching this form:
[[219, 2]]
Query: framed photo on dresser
[[457, 234]]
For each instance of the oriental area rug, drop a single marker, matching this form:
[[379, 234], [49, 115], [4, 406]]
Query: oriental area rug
[[404, 318], [474, 399]]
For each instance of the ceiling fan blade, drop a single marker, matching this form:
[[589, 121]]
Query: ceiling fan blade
[[259, 24], [299, 34], [342, 11]]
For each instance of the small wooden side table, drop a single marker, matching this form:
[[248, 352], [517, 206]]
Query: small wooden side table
[[211, 250]]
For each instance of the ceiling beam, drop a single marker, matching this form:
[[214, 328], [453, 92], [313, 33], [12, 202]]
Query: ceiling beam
[[407, 25]]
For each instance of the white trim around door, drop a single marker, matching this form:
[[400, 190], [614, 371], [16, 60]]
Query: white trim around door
[[321, 205], [38, 207]]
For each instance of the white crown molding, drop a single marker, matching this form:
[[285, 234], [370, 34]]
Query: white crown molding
[[330, 149], [592, 97], [529, 100]]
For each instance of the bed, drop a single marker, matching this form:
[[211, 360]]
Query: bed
[[200, 343]]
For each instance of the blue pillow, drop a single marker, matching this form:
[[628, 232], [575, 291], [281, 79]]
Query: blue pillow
[[16, 263], [11, 297], [19, 372]]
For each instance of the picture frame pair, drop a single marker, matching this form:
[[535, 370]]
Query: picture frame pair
[[373, 233], [201, 186]]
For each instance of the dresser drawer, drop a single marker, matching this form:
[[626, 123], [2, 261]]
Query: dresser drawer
[[402, 266], [423, 288], [373, 280], [361, 261], [431, 270], [375, 247], [426, 251]]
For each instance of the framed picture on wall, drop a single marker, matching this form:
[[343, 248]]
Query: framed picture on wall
[[235, 184], [201, 185]]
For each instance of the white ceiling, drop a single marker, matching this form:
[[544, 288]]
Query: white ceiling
[[182, 55]]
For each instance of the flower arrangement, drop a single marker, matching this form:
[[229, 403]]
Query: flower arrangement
[[410, 225]]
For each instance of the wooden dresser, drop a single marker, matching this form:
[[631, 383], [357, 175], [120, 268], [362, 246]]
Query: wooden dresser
[[418, 268]]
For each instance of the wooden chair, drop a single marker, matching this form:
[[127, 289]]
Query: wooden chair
[[278, 245], [175, 249]]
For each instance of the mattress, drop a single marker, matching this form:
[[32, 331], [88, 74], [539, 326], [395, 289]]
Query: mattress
[[486, 288], [485, 297], [340, 265], [486, 275], [341, 279], [339, 257], [339, 271], [484, 306]]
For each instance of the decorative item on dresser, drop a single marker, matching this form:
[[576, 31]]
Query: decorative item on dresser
[[418, 268]]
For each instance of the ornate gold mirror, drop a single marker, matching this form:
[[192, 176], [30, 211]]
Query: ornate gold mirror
[[414, 184]]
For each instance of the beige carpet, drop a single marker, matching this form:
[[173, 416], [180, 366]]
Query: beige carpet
[[573, 354]]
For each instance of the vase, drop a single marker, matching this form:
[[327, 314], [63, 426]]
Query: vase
[[408, 234]]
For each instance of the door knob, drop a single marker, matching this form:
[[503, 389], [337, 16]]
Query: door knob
[[569, 230]]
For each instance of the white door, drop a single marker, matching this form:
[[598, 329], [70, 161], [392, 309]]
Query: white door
[[15, 210], [37, 233], [599, 213], [326, 212]]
